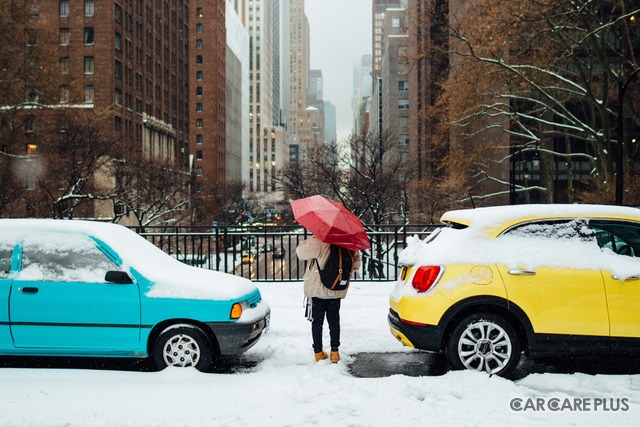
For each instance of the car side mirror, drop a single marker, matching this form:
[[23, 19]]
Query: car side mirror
[[119, 277]]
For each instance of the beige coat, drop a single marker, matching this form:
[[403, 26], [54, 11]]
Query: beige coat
[[314, 248]]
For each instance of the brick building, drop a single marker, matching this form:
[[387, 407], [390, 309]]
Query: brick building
[[207, 110]]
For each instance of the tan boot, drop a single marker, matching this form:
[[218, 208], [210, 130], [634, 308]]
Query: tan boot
[[335, 356], [321, 356]]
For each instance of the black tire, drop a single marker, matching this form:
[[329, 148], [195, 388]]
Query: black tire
[[183, 345], [484, 342]]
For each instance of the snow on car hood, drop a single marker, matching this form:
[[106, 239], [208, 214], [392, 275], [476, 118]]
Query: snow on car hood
[[169, 277], [470, 246]]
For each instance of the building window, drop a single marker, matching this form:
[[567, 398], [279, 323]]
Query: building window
[[88, 35], [199, 91], [64, 8], [64, 94], [403, 86], [64, 37], [88, 94], [118, 97], [403, 104], [118, 14], [404, 139], [118, 41], [31, 94], [199, 155], [198, 75], [198, 187], [198, 28], [31, 149], [30, 124], [118, 70], [199, 123], [199, 171], [199, 59], [199, 44], [118, 124], [395, 22], [199, 12], [199, 107], [64, 65], [88, 65], [198, 139], [88, 7]]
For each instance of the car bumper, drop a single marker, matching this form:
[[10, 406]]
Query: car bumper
[[422, 337], [240, 336]]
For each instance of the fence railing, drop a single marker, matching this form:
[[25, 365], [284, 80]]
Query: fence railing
[[267, 253]]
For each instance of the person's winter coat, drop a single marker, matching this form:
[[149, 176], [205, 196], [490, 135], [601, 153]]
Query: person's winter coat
[[315, 248]]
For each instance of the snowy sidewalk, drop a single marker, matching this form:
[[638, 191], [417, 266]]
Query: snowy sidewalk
[[288, 388]]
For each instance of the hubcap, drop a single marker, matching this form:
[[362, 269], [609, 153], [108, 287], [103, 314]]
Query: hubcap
[[181, 351], [485, 346]]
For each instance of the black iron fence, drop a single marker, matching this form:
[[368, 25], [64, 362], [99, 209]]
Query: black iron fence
[[268, 253]]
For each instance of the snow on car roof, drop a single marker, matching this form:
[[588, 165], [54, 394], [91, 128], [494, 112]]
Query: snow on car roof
[[497, 215], [477, 244], [170, 278]]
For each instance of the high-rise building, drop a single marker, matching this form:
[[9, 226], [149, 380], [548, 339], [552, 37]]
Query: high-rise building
[[361, 89], [330, 132], [395, 77], [379, 9], [207, 107], [315, 90], [237, 96], [128, 60], [299, 40], [268, 142]]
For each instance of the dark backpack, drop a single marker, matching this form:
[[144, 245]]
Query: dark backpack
[[336, 273]]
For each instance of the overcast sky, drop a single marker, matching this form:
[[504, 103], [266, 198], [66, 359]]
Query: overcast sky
[[340, 35]]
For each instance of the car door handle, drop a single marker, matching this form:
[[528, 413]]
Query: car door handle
[[30, 290], [614, 277], [518, 272]]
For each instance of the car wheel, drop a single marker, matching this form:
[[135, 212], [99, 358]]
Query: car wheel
[[484, 342], [183, 345]]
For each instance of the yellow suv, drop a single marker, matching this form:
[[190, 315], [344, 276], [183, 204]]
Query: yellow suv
[[549, 280]]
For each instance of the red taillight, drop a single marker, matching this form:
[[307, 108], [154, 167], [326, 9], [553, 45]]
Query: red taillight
[[425, 277]]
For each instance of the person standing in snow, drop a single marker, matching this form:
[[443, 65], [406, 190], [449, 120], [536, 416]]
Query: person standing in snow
[[324, 301]]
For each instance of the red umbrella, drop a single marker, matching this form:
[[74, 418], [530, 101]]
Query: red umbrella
[[330, 222]]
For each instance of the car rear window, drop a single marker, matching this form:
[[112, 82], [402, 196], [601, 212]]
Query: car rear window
[[557, 230]]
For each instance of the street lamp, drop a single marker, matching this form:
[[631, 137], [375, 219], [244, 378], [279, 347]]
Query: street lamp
[[515, 160], [620, 154]]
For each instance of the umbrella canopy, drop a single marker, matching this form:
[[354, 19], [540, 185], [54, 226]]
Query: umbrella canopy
[[330, 222]]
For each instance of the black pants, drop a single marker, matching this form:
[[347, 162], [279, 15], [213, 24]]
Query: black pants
[[330, 307]]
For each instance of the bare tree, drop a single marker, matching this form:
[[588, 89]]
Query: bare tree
[[545, 73], [153, 191]]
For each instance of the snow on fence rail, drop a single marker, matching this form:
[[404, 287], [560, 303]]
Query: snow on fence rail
[[267, 253]]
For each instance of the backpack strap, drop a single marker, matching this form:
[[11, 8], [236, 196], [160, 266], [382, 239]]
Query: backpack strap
[[339, 276]]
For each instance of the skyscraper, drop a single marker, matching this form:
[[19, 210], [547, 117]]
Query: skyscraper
[[207, 109]]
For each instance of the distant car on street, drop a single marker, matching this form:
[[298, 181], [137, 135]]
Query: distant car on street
[[547, 280], [82, 288], [248, 258], [267, 247], [279, 252]]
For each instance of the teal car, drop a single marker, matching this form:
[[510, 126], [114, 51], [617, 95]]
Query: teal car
[[83, 288]]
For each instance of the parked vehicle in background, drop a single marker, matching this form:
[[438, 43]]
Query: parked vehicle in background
[[81, 288], [248, 258], [549, 280]]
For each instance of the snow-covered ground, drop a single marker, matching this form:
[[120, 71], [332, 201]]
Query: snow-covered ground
[[287, 387]]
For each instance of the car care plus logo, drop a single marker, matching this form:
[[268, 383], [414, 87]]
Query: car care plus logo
[[573, 404]]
